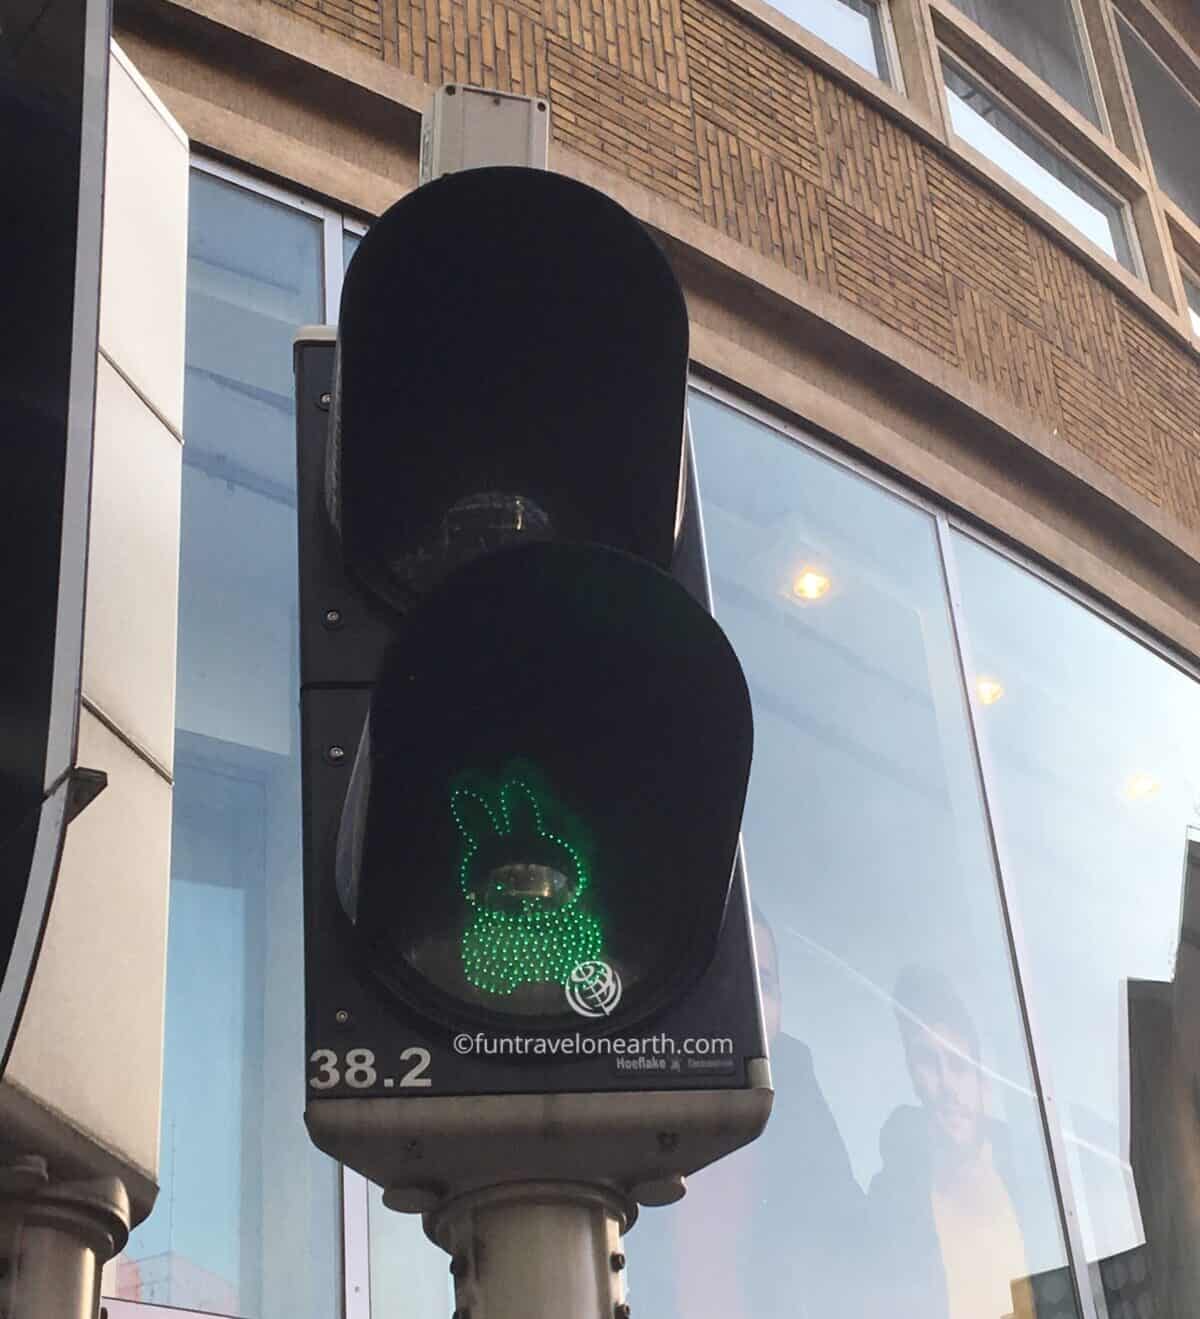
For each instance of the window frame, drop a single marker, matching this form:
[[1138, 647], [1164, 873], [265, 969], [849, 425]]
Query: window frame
[[335, 261], [356, 1245], [1192, 312], [1115, 158], [117, 1309], [895, 66], [1167, 44], [892, 74], [1123, 203], [947, 523], [947, 16], [1035, 97], [334, 221], [943, 523], [887, 90], [1131, 30]]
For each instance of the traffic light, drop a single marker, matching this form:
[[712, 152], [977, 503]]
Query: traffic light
[[526, 742]]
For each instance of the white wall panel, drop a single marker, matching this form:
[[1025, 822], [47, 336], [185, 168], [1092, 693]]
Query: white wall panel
[[133, 568], [90, 1042], [144, 270], [83, 1084]]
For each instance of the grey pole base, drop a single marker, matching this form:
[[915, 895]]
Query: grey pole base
[[535, 1250], [55, 1237]]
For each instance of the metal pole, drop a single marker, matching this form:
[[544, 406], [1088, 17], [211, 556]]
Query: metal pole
[[58, 1237], [536, 1250]]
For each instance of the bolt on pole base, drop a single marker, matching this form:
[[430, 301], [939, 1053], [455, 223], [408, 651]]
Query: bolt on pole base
[[55, 1237], [536, 1250]]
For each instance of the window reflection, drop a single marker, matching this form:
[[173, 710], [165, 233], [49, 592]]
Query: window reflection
[[978, 118], [1044, 36], [903, 1172], [1104, 878], [246, 1221], [953, 1166]]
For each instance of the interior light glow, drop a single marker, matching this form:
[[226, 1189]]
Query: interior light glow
[[1141, 787], [810, 584], [989, 690]]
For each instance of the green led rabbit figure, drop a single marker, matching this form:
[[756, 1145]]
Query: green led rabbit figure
[[523, 881]]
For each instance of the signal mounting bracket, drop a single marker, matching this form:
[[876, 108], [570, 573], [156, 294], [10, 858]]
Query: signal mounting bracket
[[469, 127]]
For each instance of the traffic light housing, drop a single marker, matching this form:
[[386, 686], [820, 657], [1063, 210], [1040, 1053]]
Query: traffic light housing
[[526, 742], [524, 807], [534, 309]]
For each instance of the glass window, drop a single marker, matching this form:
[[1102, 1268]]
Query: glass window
[[1044, 35], [350, 242], [1093, 757], [855, 27], [1171, 118], [409, 1275], [903, 1171], [979, 119], [1192, 288], [247, 1220]]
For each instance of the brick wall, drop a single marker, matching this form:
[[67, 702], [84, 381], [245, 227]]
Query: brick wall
[[689, 100], [357, 20]]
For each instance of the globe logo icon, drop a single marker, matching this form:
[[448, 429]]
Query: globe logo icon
[[593, 989]]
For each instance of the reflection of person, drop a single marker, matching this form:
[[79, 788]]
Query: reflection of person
[[942, 1215], [774, 1229]]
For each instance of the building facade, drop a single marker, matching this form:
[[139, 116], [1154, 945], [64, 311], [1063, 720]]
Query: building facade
[[942, 262]]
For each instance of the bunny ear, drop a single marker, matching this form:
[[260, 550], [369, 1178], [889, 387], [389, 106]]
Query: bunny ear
[[522, 814], [473, 816]]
